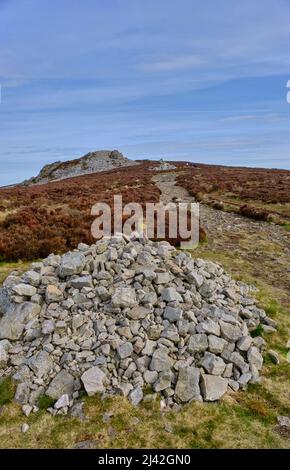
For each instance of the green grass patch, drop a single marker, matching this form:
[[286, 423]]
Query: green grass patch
[[44, 402], [7, 390]]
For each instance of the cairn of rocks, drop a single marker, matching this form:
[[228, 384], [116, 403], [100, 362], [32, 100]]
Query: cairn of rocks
[[123, 316]]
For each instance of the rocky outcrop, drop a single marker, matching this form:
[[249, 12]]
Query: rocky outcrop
[[123, 314], [92, 162]]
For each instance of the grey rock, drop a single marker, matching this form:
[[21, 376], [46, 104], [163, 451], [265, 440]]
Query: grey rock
[[24, 289], [210, 327], [169, 294], [162, 278], [124, 388], [124, 297], [195, 278], [6, 302], [172, 314], [213, 364], [216, 345], [138, 312], [48, 327], [150, 376], [255, 357], [125, 350], [71, 263], [163, 381], [53, 294], [136, 395], [27, 409], [187, 386], [12, 324], [61, 384], [244, 343], [284, 421], [197, 343], [230, 332], [213, 387], [22, 393], [41, 364], [32, 278], [161, 361], [24, 428], [88, 444], [149, 347], [94, 380], [77, 411], [81, 281], [62, 402], [274, 356], [5, 345]]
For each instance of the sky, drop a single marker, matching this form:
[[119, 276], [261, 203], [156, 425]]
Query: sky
[[196, 80]]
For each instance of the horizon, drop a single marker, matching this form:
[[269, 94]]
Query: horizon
[[180, 80]]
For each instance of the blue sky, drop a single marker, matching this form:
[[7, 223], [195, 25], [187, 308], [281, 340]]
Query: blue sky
[[198, 80]]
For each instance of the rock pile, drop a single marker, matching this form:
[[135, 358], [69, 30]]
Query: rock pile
[[122, 316]]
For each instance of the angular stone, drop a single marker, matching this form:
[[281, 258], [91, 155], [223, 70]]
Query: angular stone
[[24, 289], [194, 278], [41, 364], [216, 345], [138, 312], [163, 381], [197, 343], [255, 357], [169, 294], [53, 294], [32, 278], [61, 384], [22, 393], [230, 332], [71, 263], [5, 345], [187, 386], [244, 343], [125, 350], [136, 395], [149, 347], [154, 331], [210, 327], [162, 278], [213, 387], [82, 281], [94, 380], [124, 297], [62, 402], [239, 361], [213, 364], [48, 327], [150, 376], [274, 356], [172, 314], [124, 388], [160, 360]]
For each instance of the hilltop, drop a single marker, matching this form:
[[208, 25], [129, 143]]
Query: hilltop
[[92, 162]]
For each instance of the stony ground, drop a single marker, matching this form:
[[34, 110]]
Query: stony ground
[[265, 246], [251, 251]]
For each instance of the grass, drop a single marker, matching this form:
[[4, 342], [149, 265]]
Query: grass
[[247, 419], [7, 391], [44, 402], [6, 268]]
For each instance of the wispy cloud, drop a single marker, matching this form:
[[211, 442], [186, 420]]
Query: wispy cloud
[[93, 73]]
